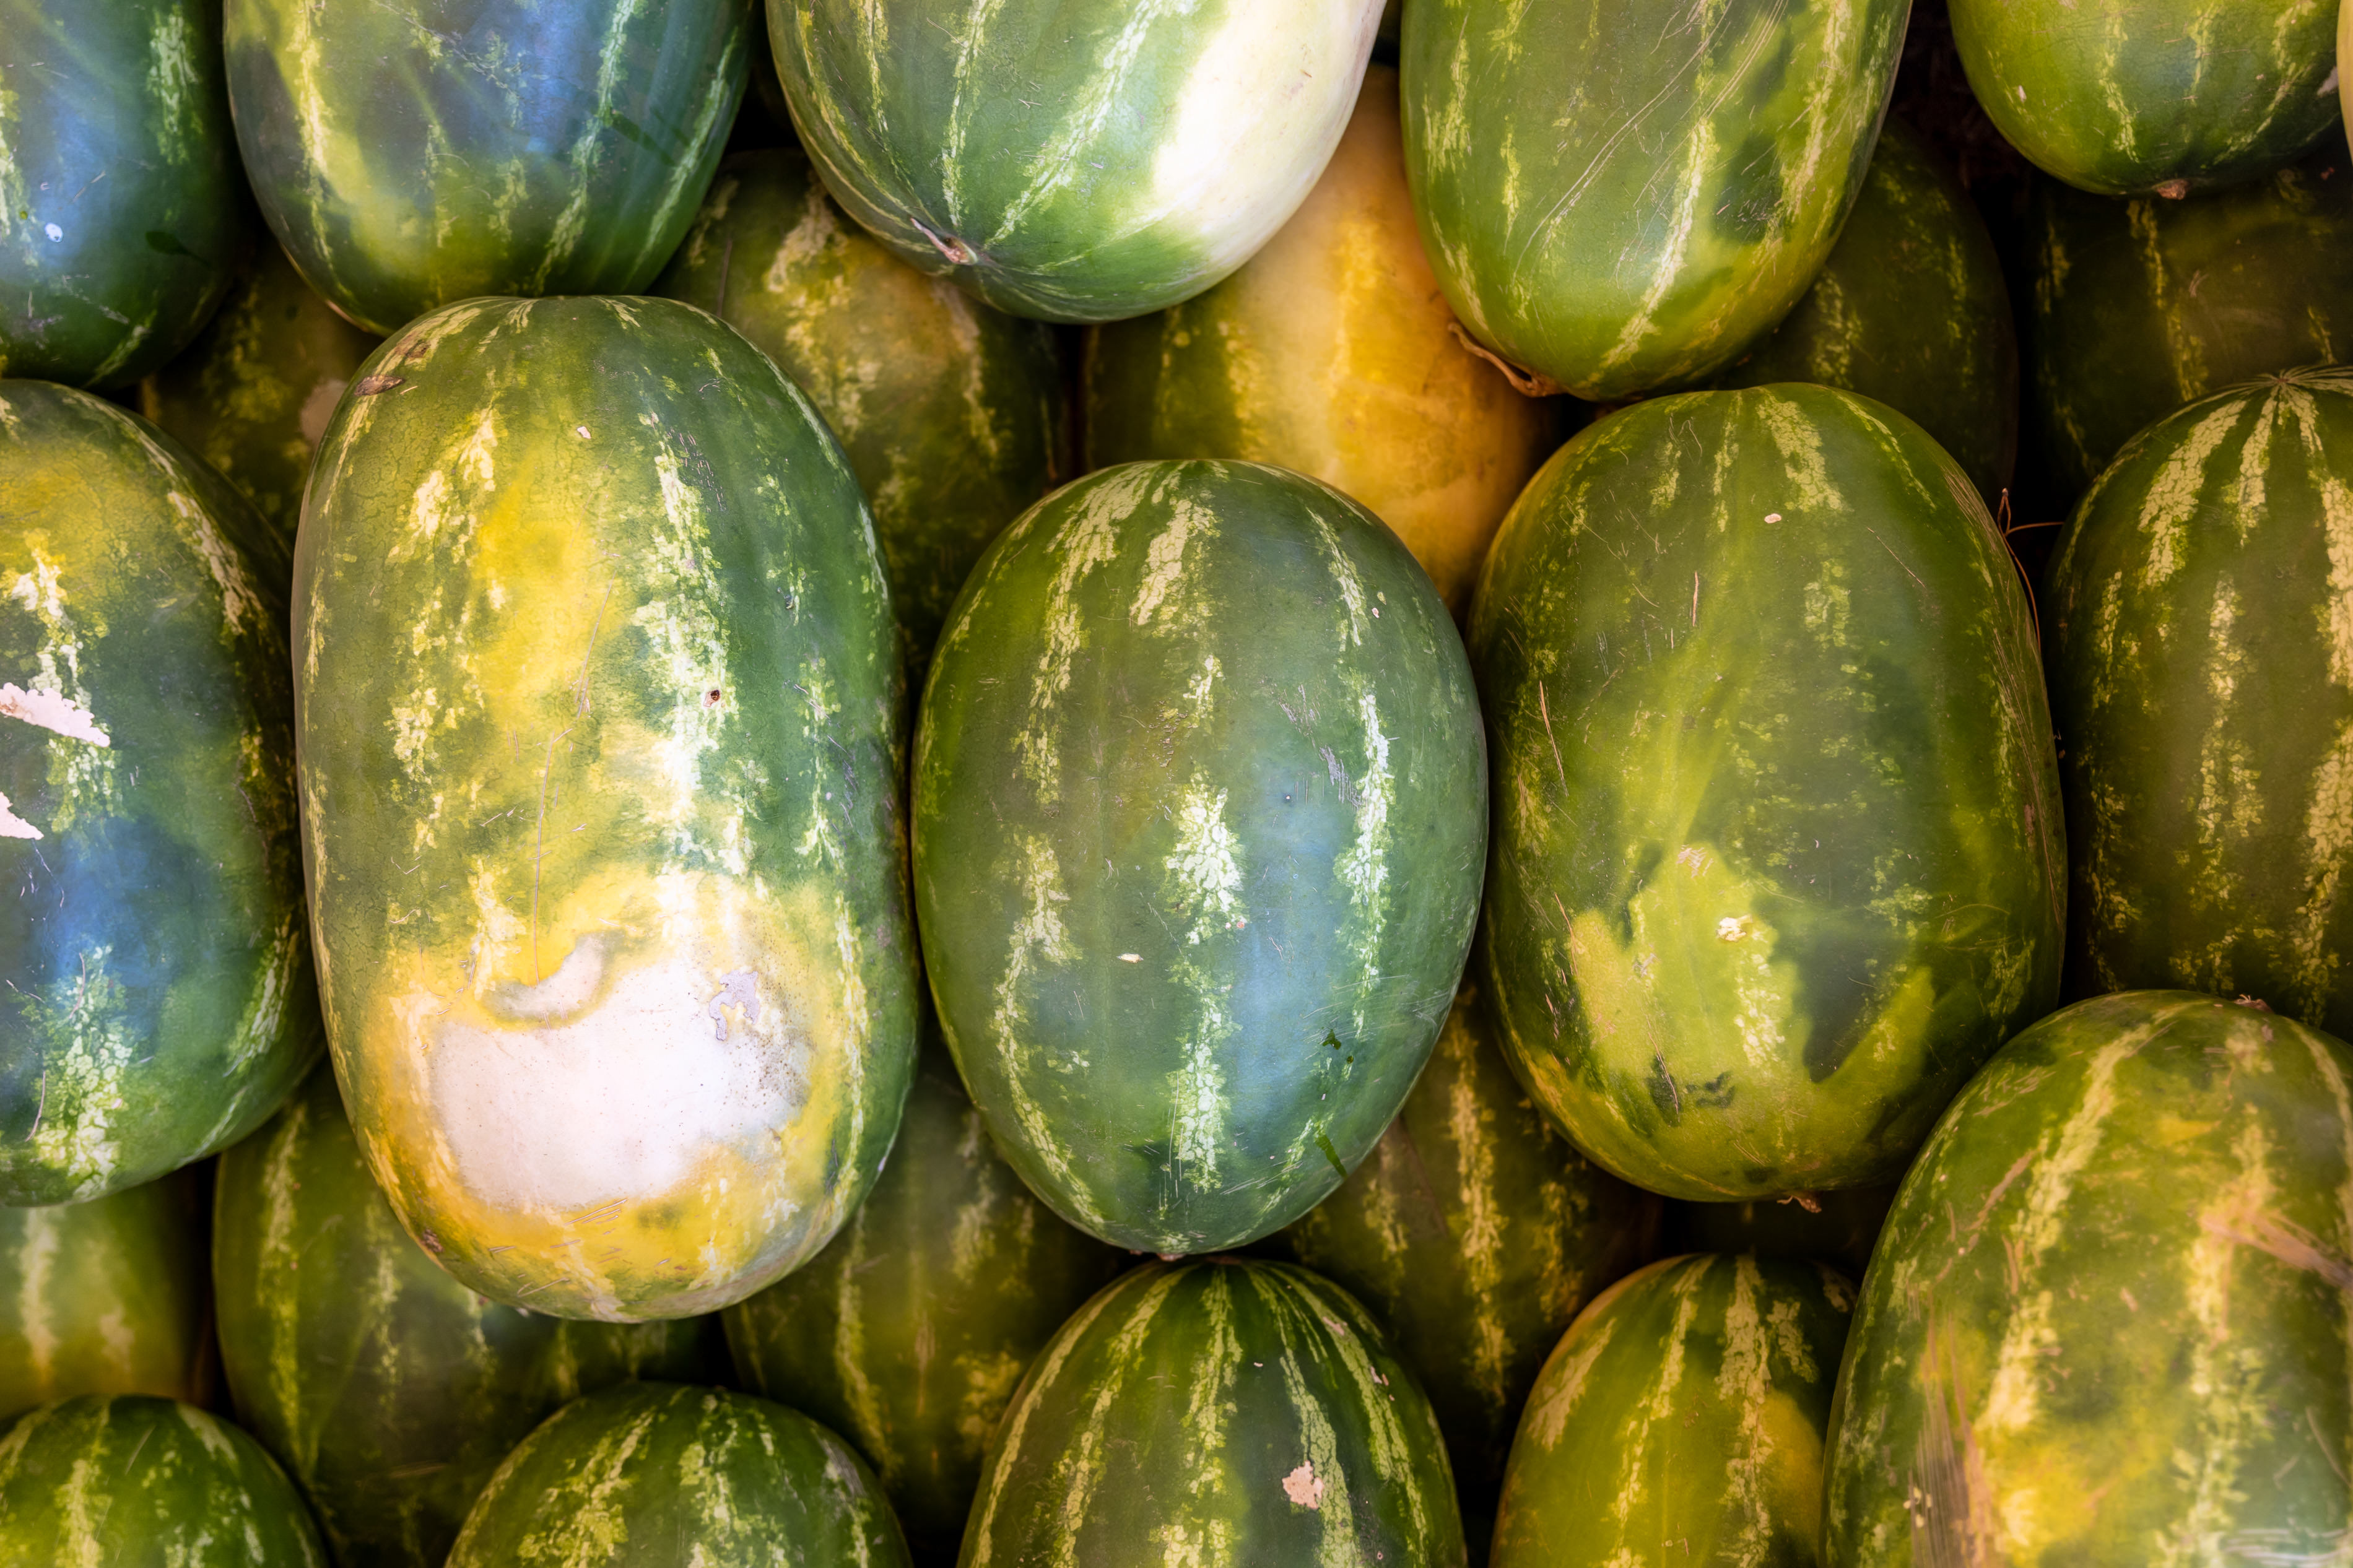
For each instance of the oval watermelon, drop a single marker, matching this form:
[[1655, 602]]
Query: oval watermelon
[[1619, 203], [158, 978], [653, 1473], [1332, 352], [134, 1481], [408, 157], [1199, 813], [600, 718], [389, 1391], [1807, 872], [121, 209], [2107, 1322], [107, 1297], [1218, 1411], [952, 414], [2205, 690], [1073, 162], [1474, 1233], [1681, 1418]]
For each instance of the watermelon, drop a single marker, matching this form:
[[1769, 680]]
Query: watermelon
[[2107, 1322], [408, 157], [158, 980], [389, 1391], [107, 1297], [121, 209], [909, 1332], [655, 1473], [1218, 1412], [1911, 309], [2153, 97], [252, 394], [952, 414], [134, 1481], [1199, 816], [601, 747], [2141, 306], [1474, 1233], [1839, 1228], [1681, 1419], [1808, 872], [2201, 670], [1332, 352], [1072, 159], [1620, 205]]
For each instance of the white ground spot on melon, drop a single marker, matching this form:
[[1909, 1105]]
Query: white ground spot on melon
[[1363, 867]]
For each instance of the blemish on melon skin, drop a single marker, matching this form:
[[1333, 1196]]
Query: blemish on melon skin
[[1303, 1487]]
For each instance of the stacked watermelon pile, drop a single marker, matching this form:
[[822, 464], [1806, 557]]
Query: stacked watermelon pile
[[1247, 783]]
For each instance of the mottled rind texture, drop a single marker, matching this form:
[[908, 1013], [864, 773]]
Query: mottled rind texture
[[652, 1473], [139, 1482], [1777, 853], [1911, 309], [600, 711], [122, 207], [1622, 198], [2201, 672], [1199, 825], [2141, 97], [409, 154], [1217, 1413], [2107, 1322], [2141, 306], [952, 414], [107, 1297], [1681, 1420], [158, 1002], [1072, 159], [389, 1391], [1475, 1233]]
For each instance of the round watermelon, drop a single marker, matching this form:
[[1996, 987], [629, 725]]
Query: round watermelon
[[1218, 1412], [600, 713], [158, 981], [2108, 1319], [1778, 856], [122, 208], [1199, 818], [1620, 200], [389, 1391], [1072, 159], [409, 157]]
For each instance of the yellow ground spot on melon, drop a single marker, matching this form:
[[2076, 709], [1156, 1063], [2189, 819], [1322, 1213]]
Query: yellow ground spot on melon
[[1158, 599], [2174, 495]]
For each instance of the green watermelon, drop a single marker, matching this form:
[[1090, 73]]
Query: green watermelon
[[1808, 872], [1072, 159], [107, 1297], [652, 1473], [1332, 352], [1838, 1227], [158, 981], [2141, 306], [952, 414], [2201, 672], [1911, 309], [1620, 201], [1681, 1419], [133, 1481], [388, 1390], [2153, 97], [411, 156], [601, 749], [121, 209], [1474, 1233], [1218, 1412], [1199, 815], [909, 1332], [252, 394], [2106, 1323]]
